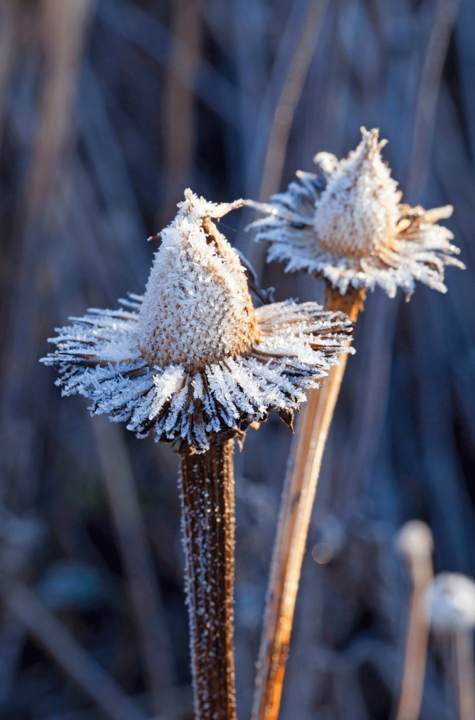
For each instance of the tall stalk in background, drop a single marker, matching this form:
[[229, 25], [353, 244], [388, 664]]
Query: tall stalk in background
[[179, 105], [194, 361], [416, 545], [347, 226]]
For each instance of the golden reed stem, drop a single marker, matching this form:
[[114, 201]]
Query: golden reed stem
[[295, 512], [207, 495]]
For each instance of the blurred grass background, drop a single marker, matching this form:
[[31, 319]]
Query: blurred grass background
[[108, 110]]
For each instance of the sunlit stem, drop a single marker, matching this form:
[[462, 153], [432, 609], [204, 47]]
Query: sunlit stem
[[296, 509], [207, 495]]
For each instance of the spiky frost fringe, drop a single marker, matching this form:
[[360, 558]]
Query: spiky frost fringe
[[98, 357], [418, 249]]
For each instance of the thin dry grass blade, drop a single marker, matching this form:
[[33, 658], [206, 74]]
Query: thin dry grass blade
[[267, 157], [443, 22], [9, 22], [25, 605], [289, 97], [59, 30], [410, 699], [135, 550], [63, 25], [179, 121]]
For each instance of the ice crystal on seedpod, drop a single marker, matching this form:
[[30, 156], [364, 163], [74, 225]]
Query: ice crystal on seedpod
[[452, 602], [348, 225], [192, 358]]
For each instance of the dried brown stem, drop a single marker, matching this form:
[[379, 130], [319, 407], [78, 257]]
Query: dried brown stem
[[294, 519], [207, 494], [465, 674], [417, 639]]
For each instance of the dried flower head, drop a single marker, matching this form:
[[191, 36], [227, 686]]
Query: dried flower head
[[348, 225], [192, 359], [452, 602], [414, 540], [196, 309]]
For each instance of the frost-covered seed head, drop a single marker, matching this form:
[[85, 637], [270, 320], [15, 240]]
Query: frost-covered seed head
[[359, 207], [414, 540], [452, 602], [192, 359], [347, 225], [197, 309]]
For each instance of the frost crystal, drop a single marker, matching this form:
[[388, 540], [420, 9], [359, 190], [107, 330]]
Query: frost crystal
[[192, 359], [348, 225], [452, 602]]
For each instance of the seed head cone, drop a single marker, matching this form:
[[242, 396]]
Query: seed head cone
[[196, 309], [358, 209], [192, 359], [346, 224]]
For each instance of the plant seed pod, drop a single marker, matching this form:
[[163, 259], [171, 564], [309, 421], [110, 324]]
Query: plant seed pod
[[347, 225]]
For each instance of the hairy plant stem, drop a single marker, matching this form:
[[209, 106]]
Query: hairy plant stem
[[294, 518], [207, 496]]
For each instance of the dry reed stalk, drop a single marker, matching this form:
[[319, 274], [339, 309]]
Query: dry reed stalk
[[207, 497], [442, 22], [63, 25], [276, 118], [179, 102], [294, 519], [465, 673], [416, 544], [133, 542], [58, 642], [9, 46], [289, 97]]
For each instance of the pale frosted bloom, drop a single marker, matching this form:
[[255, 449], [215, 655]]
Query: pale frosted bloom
[[414, 540], [192, 358], [452, 602], [347, 224]]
